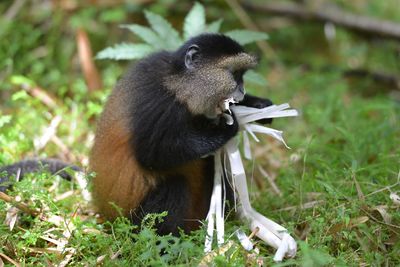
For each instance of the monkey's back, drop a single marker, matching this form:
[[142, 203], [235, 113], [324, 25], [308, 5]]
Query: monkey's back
[[119, 179]]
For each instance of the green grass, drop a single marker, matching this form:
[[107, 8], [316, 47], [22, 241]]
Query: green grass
[[345, 147]]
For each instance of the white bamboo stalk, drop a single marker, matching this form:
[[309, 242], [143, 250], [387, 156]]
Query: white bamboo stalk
[[270, 232]]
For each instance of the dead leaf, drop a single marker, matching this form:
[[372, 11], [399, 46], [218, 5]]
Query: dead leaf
[[360, 193], [101, 259], [116, 254], [219, 251], [336, 228], [393, 239], [254, 259], [380, 211], [66, 260], [11, 217], [395, 198], [45, 250]]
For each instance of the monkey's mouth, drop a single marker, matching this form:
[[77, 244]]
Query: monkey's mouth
[[233, 98], [224, 108], [225, 104]]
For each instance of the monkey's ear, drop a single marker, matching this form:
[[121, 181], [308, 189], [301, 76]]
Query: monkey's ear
[[191, 55]]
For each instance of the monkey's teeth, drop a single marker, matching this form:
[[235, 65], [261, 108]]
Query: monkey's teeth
[[224, 104], [228, 118]]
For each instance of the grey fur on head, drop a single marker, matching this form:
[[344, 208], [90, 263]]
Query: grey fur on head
[[202, 88]]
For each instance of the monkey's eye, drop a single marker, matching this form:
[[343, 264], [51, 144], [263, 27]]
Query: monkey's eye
[[238, 75]]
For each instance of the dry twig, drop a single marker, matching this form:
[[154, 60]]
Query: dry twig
[[72, 5], [89, 69], [255, 231], [49, 132], [4, 256], [271, 181], [332, 14], [249, 24], [41, 94], [66, 152], [304, 206], [379, 77], [14, 9], [22, 206]]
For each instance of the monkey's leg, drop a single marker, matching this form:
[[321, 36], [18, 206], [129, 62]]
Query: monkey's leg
[[171, 195]]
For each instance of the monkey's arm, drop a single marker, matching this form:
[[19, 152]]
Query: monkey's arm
[[177, 137], [256, 102]]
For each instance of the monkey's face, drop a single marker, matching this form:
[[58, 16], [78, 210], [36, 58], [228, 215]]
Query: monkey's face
[[207, 83], [214, 84]]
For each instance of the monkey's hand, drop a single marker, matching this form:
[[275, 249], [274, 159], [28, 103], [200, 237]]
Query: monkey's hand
[[228, 120], [257, 102]]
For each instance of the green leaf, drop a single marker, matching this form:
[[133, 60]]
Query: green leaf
[[214, 26], [4, 120], [20, 95], [113, 15], [313, 257], [245, 36], [125, 51], [170, 37], [146, 34], [21, 81], [254, 77], [195, 21]]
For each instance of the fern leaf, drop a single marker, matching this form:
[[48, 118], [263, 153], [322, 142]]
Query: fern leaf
[[214, 26], [195, 21], [125, 51], [146, 34], [170, 37]]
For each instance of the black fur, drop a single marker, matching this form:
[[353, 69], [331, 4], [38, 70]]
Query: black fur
[[212, 46], [166, 135], [179, 138], [34, 165], [172, 195]]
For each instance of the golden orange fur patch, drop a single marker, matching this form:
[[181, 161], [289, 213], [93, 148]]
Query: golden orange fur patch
[[118, 179]]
